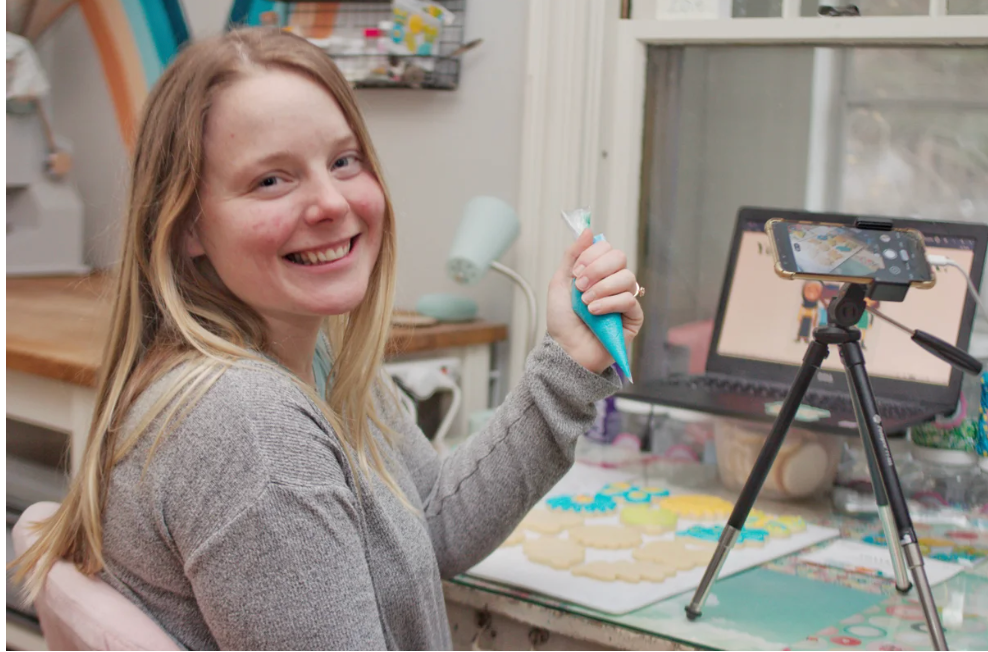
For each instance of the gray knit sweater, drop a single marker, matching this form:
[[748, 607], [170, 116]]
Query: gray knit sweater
[[246, 530]]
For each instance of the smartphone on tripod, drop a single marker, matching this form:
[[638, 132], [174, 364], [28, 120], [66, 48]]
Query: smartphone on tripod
[[841, 253]]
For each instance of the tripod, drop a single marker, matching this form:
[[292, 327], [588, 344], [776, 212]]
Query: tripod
[[843, 313]]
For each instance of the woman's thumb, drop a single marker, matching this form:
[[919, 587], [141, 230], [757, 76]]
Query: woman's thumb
[[574, 250]]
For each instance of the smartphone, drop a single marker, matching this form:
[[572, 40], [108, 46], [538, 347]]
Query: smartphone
[[837, 252]]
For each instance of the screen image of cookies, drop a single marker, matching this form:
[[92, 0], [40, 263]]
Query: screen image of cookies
[[618, 546]]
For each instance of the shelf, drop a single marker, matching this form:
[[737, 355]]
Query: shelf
[[364, 37], [394, 71]]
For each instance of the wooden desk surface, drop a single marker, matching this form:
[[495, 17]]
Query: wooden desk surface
[[56, 327]]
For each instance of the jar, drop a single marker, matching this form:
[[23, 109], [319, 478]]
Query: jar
[[944, 478], [805, 465]]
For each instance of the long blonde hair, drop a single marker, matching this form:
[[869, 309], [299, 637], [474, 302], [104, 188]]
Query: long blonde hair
[[169, 311]]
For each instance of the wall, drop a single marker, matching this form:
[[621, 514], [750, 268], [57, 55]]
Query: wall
[[438, 148]]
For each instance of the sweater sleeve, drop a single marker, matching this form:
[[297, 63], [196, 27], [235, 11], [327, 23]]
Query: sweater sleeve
[[475, 497], [289, 572]]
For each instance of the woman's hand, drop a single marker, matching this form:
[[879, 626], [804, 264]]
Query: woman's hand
[[608, 286]]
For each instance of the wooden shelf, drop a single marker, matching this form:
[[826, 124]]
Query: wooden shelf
[[56, 328]]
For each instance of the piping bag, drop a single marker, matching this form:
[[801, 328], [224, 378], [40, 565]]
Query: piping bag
[[609, 328]]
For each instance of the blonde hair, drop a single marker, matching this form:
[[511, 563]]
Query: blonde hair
[[170, 311]]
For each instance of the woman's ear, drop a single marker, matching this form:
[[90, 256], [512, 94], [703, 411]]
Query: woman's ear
[[192, 243]]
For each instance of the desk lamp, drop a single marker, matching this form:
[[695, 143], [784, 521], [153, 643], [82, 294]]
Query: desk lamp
[[488, 227]]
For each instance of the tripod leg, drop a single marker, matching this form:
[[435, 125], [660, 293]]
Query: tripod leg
[[815, 354], [902, 583], [861, 388]]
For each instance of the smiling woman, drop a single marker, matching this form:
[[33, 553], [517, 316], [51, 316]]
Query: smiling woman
[[248, 458], [292, 215]]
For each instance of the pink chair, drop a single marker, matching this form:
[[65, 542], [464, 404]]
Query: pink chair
[[695, 336], [85, 613]]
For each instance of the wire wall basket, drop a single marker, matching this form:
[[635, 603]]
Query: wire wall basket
[[390, 44]]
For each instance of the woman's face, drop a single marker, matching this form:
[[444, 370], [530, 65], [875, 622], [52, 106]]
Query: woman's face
[[292, 216]]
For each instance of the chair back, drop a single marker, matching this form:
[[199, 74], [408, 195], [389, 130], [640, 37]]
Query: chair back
[[85, 613]]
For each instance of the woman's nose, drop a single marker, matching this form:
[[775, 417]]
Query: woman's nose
[[327, 202]]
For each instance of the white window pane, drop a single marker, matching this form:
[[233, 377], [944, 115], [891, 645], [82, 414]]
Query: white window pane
[[926, 74], [926, 163], [967, 6]]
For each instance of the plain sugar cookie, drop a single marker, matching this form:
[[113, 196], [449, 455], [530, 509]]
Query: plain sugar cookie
[[675, 554], [607, 537], [514, 538], [625, 571], [557, 553], [544, 521]]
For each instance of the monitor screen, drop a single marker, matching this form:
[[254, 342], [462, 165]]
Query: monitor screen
[[770, 319]]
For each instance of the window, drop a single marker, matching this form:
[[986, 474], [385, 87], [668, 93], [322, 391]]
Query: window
[[885, 131]]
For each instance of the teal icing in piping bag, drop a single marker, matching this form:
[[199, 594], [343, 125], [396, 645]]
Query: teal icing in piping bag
[[609, 328]]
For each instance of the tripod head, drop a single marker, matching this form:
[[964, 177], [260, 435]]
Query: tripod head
[[844, 311]]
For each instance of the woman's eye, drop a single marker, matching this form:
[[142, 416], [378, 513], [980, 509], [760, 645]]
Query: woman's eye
[[268, 182], [347, 163]]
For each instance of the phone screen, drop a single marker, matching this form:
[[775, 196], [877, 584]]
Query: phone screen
[[895, 256]]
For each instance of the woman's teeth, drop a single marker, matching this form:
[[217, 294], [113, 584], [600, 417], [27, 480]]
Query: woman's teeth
[[321, 256]]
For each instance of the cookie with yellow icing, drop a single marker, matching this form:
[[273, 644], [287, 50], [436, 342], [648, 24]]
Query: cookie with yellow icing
[[697, 507], [648, 519]]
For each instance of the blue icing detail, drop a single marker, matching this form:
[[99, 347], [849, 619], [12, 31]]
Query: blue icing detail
[[753, 535], [713, 533], [655, 492], [582, 503], [702, 532], [875, 539], [637, 496], [632, 493], [616, 488]]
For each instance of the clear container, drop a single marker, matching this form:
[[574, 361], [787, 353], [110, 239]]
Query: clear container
[[979, 490], [805, 466], [677, 445], [945, 479]]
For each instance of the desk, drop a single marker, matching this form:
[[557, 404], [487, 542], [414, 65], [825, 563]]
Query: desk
[[793, 605], [56, 328]]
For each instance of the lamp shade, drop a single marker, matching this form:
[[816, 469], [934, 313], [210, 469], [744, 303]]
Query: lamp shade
[[488, 227]]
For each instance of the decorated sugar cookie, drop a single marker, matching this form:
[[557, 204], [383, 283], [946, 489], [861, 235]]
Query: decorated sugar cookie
[[678, 554], [554, 552], [712, 534], [585, 504], [625, 571], [616, 489], [648, 519], [655, 492], [759, 520], [631, 493], [697, 507], [793, 522], [607, 537], [544, 521]]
